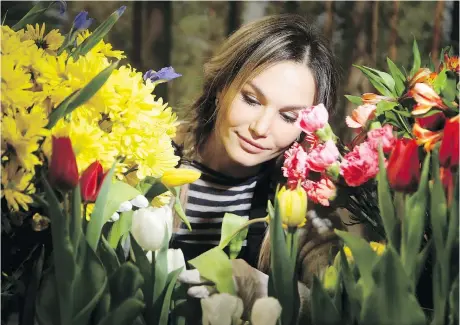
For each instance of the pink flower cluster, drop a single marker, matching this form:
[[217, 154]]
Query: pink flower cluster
[[323, 157]]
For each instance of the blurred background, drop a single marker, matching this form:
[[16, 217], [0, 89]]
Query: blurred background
[[184, 34]]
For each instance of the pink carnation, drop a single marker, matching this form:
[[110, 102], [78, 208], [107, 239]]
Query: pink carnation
[[322, 156], [383, 135], [320, 192], [295, 164], [360, 165], [313, 118]]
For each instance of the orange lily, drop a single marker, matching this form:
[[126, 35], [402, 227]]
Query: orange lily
[[373, 99], [422, 75], [426, 98], [426, 137]]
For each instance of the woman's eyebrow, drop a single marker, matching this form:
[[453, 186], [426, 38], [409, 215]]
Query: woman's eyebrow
[[285, 108]]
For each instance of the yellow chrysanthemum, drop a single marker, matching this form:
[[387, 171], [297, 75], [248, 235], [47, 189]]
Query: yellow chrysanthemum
[[16, 85], [162, 199], [22, 130], [89, 210], [49, 42], [101, 48], [16, 186], [11, 44]]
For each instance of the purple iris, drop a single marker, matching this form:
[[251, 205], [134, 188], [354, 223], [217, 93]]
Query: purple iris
[[121, 10], [81, 21], [166, 74]]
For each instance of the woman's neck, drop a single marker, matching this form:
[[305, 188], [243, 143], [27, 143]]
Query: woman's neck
[[214, 156]]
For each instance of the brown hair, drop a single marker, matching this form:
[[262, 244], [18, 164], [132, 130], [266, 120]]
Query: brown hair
[[250, 50]]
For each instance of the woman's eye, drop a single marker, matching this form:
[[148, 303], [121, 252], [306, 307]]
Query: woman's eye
[[250, 100], [289, 117]]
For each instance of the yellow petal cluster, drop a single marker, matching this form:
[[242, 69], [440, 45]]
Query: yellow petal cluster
[[292, 206], [123, 120]]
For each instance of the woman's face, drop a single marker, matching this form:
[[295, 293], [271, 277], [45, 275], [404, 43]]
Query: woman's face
[[259, 123]]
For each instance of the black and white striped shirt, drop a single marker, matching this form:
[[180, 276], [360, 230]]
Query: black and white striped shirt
[[209, 198]]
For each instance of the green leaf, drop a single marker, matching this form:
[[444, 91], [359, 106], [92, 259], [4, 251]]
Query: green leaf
[[75, 222], [384, 106], [120, 227], [167, 299], [390, 280], [416, 57], [119, 192], [151, 187], [96, 36], [125, 313], [32, 16], [453, 302], [452, 233], [440, 81], [230, 224], [93, 230], [323, 310], [285, 287], [124, 284], [438, 207], [215, 266], [80, 97], [178, 207], [421, 259], [362, 254], [350, 286], [449, 91], [161, 268], [414, 223], [386, 79], [397, 76], [376, 81], [354, 99], [108, 256], [28, 312], [385, 201]]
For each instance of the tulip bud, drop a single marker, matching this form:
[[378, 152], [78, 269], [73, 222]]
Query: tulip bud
[[91, 182], [149, 225], [404, 166], [449, 150], [115, 217], [125, 206], [175, 257], [63, 170], [293, 206], [330, 278], [179, 176], [265, 311], [140, 201]]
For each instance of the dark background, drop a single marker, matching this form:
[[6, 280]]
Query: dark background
[[184, 34]]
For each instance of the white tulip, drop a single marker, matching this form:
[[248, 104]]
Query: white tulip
[[140, 201], [221, 309], [125, 206], [265, 311], [176, 259], [149, 225]]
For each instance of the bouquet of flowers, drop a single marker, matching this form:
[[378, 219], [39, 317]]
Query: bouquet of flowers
[[87, 152]]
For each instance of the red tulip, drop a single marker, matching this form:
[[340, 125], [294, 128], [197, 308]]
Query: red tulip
[[63, 171], [433, 122], [404, 166], [448, 153], [91, 181]]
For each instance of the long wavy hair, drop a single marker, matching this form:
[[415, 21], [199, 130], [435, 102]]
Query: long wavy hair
[[248, 51]]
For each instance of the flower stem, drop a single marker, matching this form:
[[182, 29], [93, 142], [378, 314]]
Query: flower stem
[[227, 241]]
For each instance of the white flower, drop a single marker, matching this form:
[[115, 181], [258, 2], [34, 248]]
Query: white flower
[[176, 259], [149, 225], [115, 216], [125, 206], [265, 311], [221, 309], [140, 201]]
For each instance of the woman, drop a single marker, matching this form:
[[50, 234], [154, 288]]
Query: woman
[[243, 121]]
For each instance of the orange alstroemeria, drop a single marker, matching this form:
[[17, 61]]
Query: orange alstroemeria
[[360, 116], [426, 137], [426, 98], [451, 63], [373, 99], [422, 75]]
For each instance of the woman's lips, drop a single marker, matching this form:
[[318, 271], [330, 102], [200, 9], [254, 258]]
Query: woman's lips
[[250, 146]]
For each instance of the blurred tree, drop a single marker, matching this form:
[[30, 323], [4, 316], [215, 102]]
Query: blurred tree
[[437, 32], [234, 16], [393, 31]]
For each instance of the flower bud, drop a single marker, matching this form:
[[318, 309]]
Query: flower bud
[[292, 206], [91, 182], [140, 201], [179, 176], [125, 206], [63, 171], [404, 166], [149, 225]]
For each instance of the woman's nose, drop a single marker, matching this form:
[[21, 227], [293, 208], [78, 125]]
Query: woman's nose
[[262, 124]]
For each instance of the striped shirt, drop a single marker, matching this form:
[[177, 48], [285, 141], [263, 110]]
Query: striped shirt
[[209, 198]]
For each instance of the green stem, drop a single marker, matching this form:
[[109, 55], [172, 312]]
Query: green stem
[[292, 244], [242, 227]]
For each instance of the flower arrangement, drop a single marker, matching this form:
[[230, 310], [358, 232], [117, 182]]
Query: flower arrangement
[[86, 148]]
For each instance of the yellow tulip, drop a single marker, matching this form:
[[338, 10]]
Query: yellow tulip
[[330, 278], [293, 206], [179, 176], [377, 247]]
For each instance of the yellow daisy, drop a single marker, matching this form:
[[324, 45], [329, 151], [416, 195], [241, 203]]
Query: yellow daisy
[[162, 199], [49, 42], [16, 186]]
